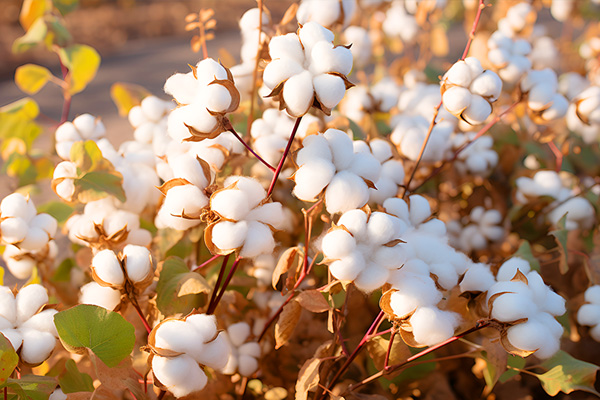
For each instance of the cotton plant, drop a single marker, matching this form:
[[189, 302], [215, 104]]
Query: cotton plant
[[478, 159], [131, 267], [583, 115], [468, 91], [477, 230], [204, 96], [84, 127], [307, 70], [27, 324], [149, 119], [589, 313], [244, 355], [328, 13], [328, 164], [244, 220], [399, 23], [543, 99], [509, 56], [182, 348], [392, 170]]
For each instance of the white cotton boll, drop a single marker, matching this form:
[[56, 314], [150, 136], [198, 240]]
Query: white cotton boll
[[268, 213], [175, 125], [185, 199], [259, 240], [589, 314], [413, 291], [382, 228], [329, 89], [478, 278], [136, 116], [176, 335], [325, 58], [251, 349], [432, 326], [312, 178], [35, 239], [361, 44], [254, 191], [108, 268], [557, 110], [21, 269], [499, 57], [43, 322], [488, 85], [366, 166], [390, 257], [228, 235], [280, 70], [13, 230], [381, 149], [459, 74], [311, 33], [580, 213], [286, 47], [592, 294], [510, 307], [214, 354], [478, 111], [89, 126], [397, 207], [15, 205], [8, 306], [341, 147], [419, 209], [456, 99], [46, 222], [316, 147], [348, 268], [138, 262], [533, 335], [180, 375], [415, 265], [247, 365], [338, 243], [231, 204], [298, 93], [37, 346], [205, 326], [346, 191], [154, 108], [521, 47], [355, 221], [238, 333], [29, 301], [540, 96], [251, 20], [198, 117], [372, 278], [106, 297], [209, 70], [216, 98], [14, 336], [446, 274], [67, 133]]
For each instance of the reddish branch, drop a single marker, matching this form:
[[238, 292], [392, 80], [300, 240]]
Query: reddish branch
[[285, 153]]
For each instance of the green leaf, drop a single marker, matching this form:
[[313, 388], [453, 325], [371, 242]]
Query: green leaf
[[65, 6], [561, 235], [60, 34], [32, 387], [83, 62], [166, 239], [86, 155], [127, 95], [97, 185], [20, 166], [63, 271], [566, 374], [31, 78], [357, 132], [34, 36], [525, 253], [72, 381], [8, 357], [59, 210], [515, 362], [106, 333], [173, 276]]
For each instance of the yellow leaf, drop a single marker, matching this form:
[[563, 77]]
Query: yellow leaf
[[30, 78], [1, 276], [25, 108], [31, 10], [127, 95], [83, 62], [34, 279]]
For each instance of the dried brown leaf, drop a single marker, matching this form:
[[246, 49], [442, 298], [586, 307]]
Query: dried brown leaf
[[193, 283], [378, 347], [308, 378], [289, 15], [284, 264], [313, 301], [286, 323], [165, 187]]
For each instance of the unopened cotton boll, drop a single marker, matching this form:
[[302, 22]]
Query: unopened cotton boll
[[180, 375], [94, 294]]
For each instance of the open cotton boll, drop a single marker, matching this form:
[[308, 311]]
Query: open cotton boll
[[238, 333], [372, 277], [382, 228], [228, 235], [216, 98], [231, 204], [338, 243], [533, 335], [8, 306], [580, 213], [589, 314], [175, 335], [208, 70], [269, 213], [94, 294], [456, 99], [509, 268], [356, 222], [348, 268], [107, 268], [413, 291], [558, 108], [251, 20], [43, 322], [29, 301], [592, 294], [34, 240], [247, 365], [432, 326], [341, 147], [311, 178], [510, 307], [180, 375], [487, 85], [419, 209], [185, 199], [311, 33], [37, 345], [325, 57], [259, 240], [16, 205], [540, 96], [330, 89], [346, 191], [254, 191], [214, 354], [366, 166], [478, 111], [478, 278], [138, 262], [298, 93], [13, 230], [317, 148], [281, 69], [459, 74], [46, 222]]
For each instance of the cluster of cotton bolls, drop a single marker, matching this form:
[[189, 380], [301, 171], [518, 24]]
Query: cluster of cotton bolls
[[543, 98], [508, 56], [590, 52], [330, 162], [468, 91], [477, 230], [132, 265], [589, 313], [416, 104], [544, 52], [83, 127], [392, 170], [518, 20], [399, 23], [204, 95], [179, 349], [363, 100], [23, 322], [102, 223], [579, 211], [327, 13], [478, 159], [245, 220], [583, 115], [362, 45], [249, 27], [244, 354], [26, 234], [150, 122], [307, 69], [520, 298]]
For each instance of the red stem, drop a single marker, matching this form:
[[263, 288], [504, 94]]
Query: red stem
[[218, 283], [139, 312], [473, 29], [207, 262], [285, 153], [274, 317], [558, 154], [67, 97], [212, 308], [232, 130]]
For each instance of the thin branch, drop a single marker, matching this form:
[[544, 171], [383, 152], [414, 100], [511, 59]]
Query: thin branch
[[274, 316], [136, 305], [473, 29], [232, 130], [218, 283], [284, 156], [66, 95], [207, 262], [213, 307], [557, 154]]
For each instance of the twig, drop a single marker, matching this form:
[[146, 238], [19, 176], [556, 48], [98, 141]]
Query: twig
[[207, 262], [284, 156], [218, 283], [212, 308], [274, 316], [66, 95], [136, 305], [558, 154], [232, 130], [473, 29]]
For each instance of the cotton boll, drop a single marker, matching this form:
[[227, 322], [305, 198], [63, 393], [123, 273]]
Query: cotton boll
[[29, 301], [43, 322], [216, 98], [106, 297], [298, 93], [259, 240], [592, 294], [286, 47], [397, 207], [312, 178], [281, 69], [311, 33], [488, 85], [366, 166], [341, 148], [432, 326], [138, 262], [459, 74], [478, 278], [382, 228], [419, 209], [175, 335], [108, 268], [8, 307], [446, 274], [214, 354], [15, 205], [372, 278], [45, 222], [247, 365], [346, 191], [456, 99], [37, 346], [510, 307], [589, 314], [316, 147], [338, 243], [557, 110], [254, 191], [348, 268], [327, 58], [180, 375], [185, 199], [228, 235], [231, 204], [14, 336], [540, 96], [413, 291], [238, 333], [35, 239], [531, 336], [67, 132], [205, 326], [13, 230], [269, 213], [329, 89]]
